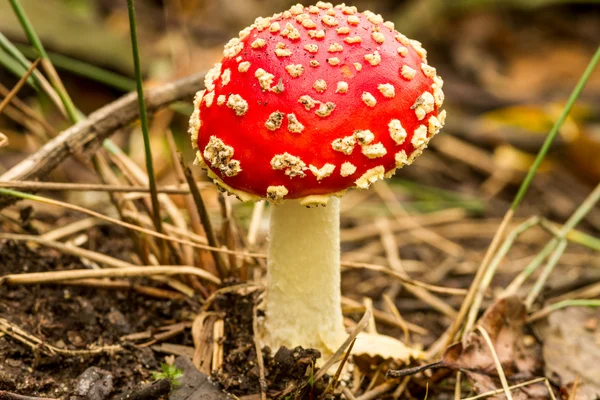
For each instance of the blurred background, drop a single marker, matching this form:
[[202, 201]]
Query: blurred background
[[508, 65]]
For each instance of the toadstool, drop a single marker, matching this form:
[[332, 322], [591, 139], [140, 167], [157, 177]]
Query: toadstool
[[303, 106]]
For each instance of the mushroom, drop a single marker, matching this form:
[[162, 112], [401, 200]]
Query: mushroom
[[303, 106]]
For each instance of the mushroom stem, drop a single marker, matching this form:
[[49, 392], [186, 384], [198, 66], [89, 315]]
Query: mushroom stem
[[303, 296]]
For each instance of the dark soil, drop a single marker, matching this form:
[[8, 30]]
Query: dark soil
[[73, 317], [285, 372]]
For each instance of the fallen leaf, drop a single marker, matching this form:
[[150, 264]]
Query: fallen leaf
[[519, 356], [373, 348], [571, 350]]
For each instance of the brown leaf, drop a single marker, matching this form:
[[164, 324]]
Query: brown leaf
[[519, 356], [571, 349]]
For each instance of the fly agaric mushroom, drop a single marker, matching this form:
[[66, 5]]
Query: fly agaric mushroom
[[304, 105]]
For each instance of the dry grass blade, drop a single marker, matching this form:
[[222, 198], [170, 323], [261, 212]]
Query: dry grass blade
[[19, 85], [574, 388], [379, 390], [333, 383], [121, 223], [84, 136], [405, 279], [91, 187], [202, 211], [346, 392], [396, 313], [3, 140], [255, 220], [408, 281], [454, 329], [427, 236], [493, 266], [217, 355], [27, 110], [35, 278], [202, 335], [499, 391], [96, 257], [353, 306], [71, 229], [362, 324], [501, 374], [391, 251]]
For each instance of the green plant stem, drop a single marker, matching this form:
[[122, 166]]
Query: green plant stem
[[555, 129], [493, 266], [560, 247], [74, 115], [455, 327], [144, 117], [584, 239], [563, 304], [11, 61]]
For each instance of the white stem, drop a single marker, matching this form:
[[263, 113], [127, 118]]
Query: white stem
[[303, 280]]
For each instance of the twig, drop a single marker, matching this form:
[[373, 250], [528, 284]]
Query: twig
[[4, 395], [85, 136], [262, 383], [35, 343], [501, 374], [19, 85]]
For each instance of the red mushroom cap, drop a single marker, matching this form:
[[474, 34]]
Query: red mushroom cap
[[313, 101]]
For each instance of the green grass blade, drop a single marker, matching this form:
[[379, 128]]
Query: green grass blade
[[143, 115], [554, 131], [85, 70], [74, 115], [15, 68]]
